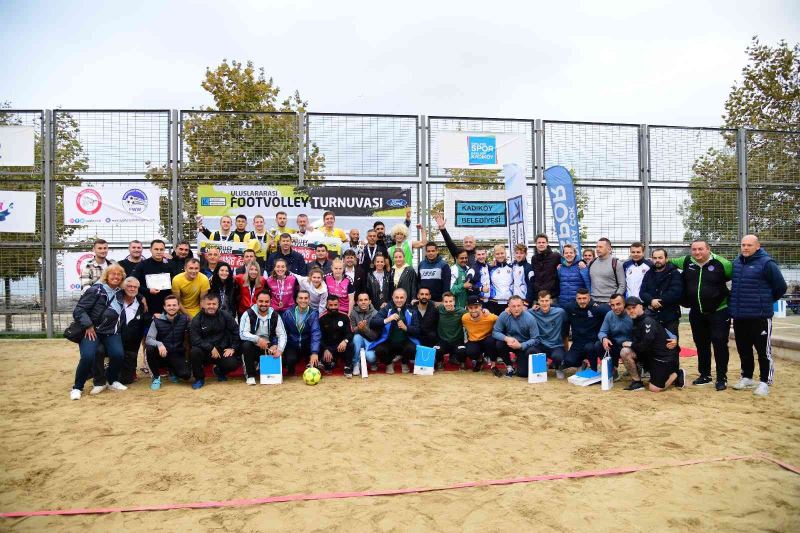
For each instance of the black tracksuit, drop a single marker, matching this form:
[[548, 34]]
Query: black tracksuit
[[649, 342], [545, 272], [665, 285], [424, 327], [155, 302], [207, 332], [335, 328]]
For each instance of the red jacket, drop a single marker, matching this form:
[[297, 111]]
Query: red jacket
[[248, 294]]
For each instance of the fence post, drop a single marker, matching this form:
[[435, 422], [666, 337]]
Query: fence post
[[644, 178], [174, 157], [49, 264], [423, 219], [538, 175], [741, 160], [301, 148]]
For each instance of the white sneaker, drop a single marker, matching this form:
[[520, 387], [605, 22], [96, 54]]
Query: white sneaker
[[357, 369], [251, 381], [75, 394], [560, 374], [390, 368], [117, 386], [745, 383], [761, 390], [404, 368], [373, 367], [97, 389]]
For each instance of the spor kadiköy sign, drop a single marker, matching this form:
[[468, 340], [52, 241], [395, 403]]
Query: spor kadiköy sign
[[561, 191]]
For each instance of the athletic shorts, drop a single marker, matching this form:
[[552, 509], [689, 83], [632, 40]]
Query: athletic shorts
[[660, 371]]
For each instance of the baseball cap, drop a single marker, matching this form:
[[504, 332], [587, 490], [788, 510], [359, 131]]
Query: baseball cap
[[472, 300], [633, 300]]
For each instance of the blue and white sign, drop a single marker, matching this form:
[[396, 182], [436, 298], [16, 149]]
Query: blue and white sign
[[516, 194], [485, 150], [537, 368], [17, 212], [270, 370], [111, 203], [424, 361], [482, 150], [561, 191], [480, 214]]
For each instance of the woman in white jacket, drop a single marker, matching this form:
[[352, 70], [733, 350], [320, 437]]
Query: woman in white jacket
[[317, 289]]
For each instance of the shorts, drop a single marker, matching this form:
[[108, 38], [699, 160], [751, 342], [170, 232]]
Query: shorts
[[661, 370]]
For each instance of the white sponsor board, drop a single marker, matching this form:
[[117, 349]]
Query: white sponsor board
[[480, 150], [111, 204], [17, 212], [16, 146]]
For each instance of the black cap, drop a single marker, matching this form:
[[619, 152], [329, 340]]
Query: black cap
[[633, 300], [472, 300]]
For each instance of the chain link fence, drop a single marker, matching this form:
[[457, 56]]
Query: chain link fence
[[661, 185]]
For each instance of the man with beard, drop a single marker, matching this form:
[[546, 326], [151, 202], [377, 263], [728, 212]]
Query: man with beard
[[584, 317], [469, 242], [337, 337], [661, 291], [180, 254], [395, 340], [424, 319], [262, 333], [133, 259], [294, 260], [214, 337], [164, 346], [360, 316]]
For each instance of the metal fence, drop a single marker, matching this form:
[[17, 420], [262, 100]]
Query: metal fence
[[661, 185]]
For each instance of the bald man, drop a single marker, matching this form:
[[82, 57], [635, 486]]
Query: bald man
[[756, 284]]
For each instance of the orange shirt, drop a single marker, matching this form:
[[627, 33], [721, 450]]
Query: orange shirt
[[477, 330]]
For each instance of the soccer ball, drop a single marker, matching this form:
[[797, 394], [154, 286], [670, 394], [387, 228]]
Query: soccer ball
[[312, 376]]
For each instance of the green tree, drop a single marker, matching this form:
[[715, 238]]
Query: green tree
[[766, 98], [19, 262], [255, 137]]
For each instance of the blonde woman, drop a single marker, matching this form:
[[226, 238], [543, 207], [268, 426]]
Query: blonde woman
[[401, 242], [98, 311]]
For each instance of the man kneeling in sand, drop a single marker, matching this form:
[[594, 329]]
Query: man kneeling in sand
[[393, 322], [654, 344]]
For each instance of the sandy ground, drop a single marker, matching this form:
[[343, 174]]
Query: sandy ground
[[230, 441]]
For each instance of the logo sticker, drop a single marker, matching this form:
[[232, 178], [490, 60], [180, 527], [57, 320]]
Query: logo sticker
[[482, 150], [89, 201], [134, 201]]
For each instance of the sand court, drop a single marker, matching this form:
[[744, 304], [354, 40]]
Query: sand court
[[229, 441]]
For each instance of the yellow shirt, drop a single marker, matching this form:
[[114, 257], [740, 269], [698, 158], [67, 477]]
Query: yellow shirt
[[480, 329], [189, 292], [337, 233]]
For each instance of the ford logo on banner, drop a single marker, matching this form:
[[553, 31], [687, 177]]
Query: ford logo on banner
[[396, 202], [561, 191]]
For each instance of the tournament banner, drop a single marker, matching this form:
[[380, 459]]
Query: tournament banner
[[355, 207], [561, 191], [16, 146], [111, 203], [480, 150], [476, 212], [516, 199], [17, 212]]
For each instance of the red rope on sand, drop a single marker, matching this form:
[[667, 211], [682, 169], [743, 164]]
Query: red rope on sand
[[395, 492]]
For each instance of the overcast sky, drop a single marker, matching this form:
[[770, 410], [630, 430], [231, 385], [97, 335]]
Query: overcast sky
[[656, 62]]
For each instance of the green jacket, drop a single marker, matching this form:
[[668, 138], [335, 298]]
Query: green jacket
[[705, 288], [458, 277], [450, 328]]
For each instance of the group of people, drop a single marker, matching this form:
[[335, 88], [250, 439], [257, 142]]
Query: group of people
[[367, 296]]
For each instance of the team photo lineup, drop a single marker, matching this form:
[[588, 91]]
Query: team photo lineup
[[361, 303]]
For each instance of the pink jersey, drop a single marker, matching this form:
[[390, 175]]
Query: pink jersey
[[342, 289], [281, 292]]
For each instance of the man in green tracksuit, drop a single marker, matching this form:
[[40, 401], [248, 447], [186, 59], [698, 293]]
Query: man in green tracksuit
[[458, 275], [450, 331], [706, 295]]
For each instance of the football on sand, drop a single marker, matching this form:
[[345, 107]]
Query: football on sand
[[312, 376]]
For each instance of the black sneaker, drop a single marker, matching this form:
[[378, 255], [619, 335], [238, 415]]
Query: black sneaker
[[721, 384], [702, 380], [510, 372], [496, 371], [348, 372], [477, 365], [634, 386], [680, 380]]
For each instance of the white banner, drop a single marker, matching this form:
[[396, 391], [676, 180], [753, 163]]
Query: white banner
[[481, 213], [519, 227], [111, 203], [480, 150], [16, 146], [73, 262], [17, 212]]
